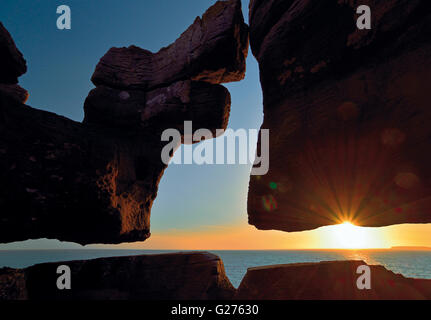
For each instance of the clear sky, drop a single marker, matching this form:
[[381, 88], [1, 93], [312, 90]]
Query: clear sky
[[198, 207]]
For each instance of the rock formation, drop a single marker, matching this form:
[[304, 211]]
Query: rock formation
[[95, 182], [179, 276], [12, 65], [348, 113], [201, 276], [334, 280]]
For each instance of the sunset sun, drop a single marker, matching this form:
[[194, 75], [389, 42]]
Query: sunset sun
[[349, 236]]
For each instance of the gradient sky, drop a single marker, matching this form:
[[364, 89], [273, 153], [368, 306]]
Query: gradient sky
[[198, 207]]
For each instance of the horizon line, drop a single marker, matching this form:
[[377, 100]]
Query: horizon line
[[412, 248]]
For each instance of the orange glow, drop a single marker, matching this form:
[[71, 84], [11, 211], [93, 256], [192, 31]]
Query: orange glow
[[349, 236], [245, 237]]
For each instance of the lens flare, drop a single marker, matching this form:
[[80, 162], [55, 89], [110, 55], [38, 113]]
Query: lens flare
[[269, 203]]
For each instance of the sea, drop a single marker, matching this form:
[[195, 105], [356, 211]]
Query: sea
[[410, 263]]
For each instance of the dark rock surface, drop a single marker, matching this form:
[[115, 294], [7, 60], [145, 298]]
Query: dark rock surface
[[12, 63], [12, 284], [212, 49], [95, 182], [207, 105], [14, 91], [179, 276], [348, 113], [328, 281], [201, 276]]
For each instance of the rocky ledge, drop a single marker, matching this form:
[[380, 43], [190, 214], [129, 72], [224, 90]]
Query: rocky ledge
[[177, 276], [333, 280], [348, 113], [95, 182], [201, 276]]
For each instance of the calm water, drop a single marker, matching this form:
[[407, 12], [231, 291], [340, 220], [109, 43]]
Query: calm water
[[415, 264]]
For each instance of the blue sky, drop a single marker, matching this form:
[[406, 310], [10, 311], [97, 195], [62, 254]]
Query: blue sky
[[60, 65]]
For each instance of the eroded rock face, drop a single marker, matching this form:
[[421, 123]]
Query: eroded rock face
[[12, 284], [14, 91], [212, 49], [348, 113], [95, 182], [334, 280], [207, 105], [201, 276], [12, 65], [179, 276]]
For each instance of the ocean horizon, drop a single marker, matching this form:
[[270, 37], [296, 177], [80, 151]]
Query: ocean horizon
[[410, 263]]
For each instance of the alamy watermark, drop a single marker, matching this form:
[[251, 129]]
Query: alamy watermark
[[363, 21], [222, 150], [64, 21], [64, 280], [364, 280]]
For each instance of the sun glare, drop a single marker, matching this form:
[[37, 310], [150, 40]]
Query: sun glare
[[349, 236]]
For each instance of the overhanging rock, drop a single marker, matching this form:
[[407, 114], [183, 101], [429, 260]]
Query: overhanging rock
[[95, 182], [348, 113]]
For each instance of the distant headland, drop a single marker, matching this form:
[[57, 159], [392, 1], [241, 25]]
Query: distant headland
[[411, 248]]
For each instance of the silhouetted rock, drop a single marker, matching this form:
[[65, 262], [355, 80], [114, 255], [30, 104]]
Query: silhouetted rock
[[178, 276], [328, 281], [12, 63], [95, 182], [205, 104], [213, 49], [201, 276], [348, 113], [12, 284], [64, 180], [14, 91]]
